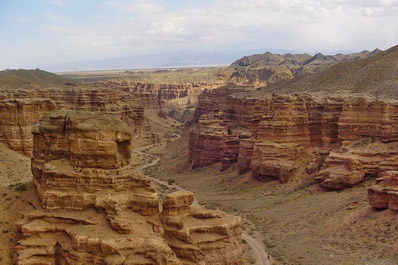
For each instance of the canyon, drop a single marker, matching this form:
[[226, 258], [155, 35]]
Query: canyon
[[316, 132], [270, 145], [93, 210]]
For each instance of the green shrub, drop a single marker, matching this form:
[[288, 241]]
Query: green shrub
[[20, 187]]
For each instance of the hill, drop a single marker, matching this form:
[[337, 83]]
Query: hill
[[15, 79], [377, 75], [269, 68]]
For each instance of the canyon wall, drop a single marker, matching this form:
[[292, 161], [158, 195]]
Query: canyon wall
[[160, 91], [93, 209], [17, 116], [338, 137], [127, 106]]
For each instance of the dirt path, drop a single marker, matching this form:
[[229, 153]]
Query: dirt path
[[256, 245]]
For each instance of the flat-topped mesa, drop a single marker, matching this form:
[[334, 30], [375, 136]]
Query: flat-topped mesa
[[92, 210], [200, 236], [17, 116], [384, 194]]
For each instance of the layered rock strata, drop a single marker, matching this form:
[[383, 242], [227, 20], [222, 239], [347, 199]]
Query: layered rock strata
[[200, 236], [276, 135], [384, 194], [17, 116], [126, 106], [161, 91], [92, 210]]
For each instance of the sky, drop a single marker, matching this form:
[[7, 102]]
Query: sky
[[46, 33]]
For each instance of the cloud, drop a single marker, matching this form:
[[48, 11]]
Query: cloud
[[124, 28], [303, 25]]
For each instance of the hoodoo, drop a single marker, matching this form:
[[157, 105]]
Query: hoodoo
[[93, 210]]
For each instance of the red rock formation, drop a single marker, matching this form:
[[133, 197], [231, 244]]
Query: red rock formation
[[92, 210], [275, 130], [214, 101], [17, 116], [384, 194], [283, 136], [347, 166], [206, 143], [341, 171], [270, 134], [380, 121]]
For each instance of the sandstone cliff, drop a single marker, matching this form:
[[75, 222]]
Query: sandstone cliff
[[17, 117], [93, 210], [276, 135]]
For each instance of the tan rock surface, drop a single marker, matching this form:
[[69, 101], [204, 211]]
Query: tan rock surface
[[92, 210], [17, 116], [199, 236], [128, 107]]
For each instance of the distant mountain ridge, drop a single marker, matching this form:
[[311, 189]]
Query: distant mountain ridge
[[269, 68], [377, 74]]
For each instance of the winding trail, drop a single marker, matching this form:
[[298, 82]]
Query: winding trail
[[256, 245]]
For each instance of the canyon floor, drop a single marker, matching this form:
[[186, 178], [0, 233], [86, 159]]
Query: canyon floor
[[299, 223]]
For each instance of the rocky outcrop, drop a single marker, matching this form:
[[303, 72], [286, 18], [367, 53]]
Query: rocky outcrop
[[384, 194], [277, 135], [93, 210], [17, 116], [128, 107], [348, 165], [200, 236]]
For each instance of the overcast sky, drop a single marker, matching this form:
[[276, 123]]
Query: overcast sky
[[38, 33]]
